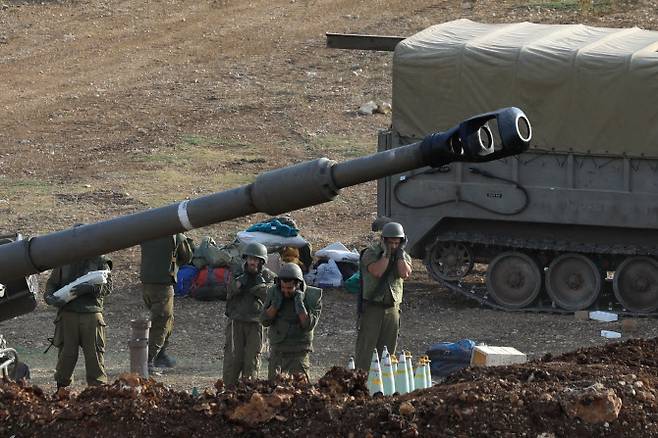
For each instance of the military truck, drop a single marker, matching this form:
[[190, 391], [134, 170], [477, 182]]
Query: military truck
[[273, 192], [561, 225]]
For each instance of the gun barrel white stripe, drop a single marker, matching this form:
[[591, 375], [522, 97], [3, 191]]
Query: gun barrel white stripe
[[183, 217]]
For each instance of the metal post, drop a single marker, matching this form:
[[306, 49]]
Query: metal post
[[139, 342]]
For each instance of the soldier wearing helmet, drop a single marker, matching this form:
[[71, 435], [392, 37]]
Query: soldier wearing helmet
[[384, 267], [291, 312], [244, 303]]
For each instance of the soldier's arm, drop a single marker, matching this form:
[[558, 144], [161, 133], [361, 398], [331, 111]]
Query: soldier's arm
[[269, 313], [234, 287], [107, 288], [260, 291], [404, 266], [313, 316], [54, 281], [183, 250], [375, 263], [97, 290], [304, 319]]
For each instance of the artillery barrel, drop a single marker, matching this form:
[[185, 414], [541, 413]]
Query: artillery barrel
[[274, 192]]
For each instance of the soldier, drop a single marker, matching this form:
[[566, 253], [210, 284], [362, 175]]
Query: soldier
[[291, 312], [244, 304], [79, 322], [160, 261], [384, 267]]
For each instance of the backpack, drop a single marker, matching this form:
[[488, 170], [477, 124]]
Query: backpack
[[209, 254], [185, 278], [211, 284]]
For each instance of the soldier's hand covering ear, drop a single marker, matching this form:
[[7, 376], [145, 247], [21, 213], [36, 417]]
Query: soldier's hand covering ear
[[387, 249], [52, 300], [300, 308], [399, 252]]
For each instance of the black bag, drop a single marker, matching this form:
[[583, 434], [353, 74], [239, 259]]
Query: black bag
[[448, 357]]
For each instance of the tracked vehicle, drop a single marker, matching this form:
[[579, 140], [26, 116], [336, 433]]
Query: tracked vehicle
[[573, 223]]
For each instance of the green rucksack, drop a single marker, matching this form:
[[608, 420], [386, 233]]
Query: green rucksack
[[209, 254]]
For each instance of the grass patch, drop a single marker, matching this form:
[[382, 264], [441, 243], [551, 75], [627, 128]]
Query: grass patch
[[193, 140], [559, 5], [26, 196], [194, 150], [29, 204], [212, 142], [341, 147], [161, 187], [200, 165], [25, 186], [197, 165], [583, 6]]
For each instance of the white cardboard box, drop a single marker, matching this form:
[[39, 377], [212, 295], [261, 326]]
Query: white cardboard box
[[485, 355]]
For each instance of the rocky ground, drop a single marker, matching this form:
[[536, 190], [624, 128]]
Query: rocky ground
[[599, 391]]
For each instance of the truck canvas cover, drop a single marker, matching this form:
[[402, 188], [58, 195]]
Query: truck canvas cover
[[585, 89]]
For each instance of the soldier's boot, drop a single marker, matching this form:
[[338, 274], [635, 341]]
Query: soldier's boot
[[63, 391], [163, 360]]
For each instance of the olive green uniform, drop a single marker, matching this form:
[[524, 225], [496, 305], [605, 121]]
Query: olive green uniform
[[160, 261], [244, 332], [290, 343], [379, 322], [80, 323]]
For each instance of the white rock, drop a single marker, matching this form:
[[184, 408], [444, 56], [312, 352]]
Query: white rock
[[368, 108]]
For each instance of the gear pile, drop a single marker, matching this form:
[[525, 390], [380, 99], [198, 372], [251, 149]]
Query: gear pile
[[602, 391]]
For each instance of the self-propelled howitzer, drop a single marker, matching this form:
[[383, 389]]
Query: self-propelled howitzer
[[274, 192]]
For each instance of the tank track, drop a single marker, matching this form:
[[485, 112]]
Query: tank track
[[545, 244], [477, 291]]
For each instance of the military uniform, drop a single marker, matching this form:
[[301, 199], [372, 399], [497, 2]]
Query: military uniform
[[160, 261], [290, 343], [244, 332], [379, 322], [80, 322]]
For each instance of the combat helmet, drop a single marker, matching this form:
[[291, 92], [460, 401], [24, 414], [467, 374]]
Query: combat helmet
[[291, 270], [393, 229], [257, 250]]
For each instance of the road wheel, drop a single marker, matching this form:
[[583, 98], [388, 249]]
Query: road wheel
[[636, 284], [449, 261], [573, 281], [514, 279]]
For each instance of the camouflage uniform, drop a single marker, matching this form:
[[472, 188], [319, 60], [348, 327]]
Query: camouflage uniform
[[160, 261], [290, 343], [244, 332], [379, 322], [80, 322]]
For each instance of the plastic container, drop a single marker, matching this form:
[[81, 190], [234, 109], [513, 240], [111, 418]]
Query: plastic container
[[599, 315], [610, 334]]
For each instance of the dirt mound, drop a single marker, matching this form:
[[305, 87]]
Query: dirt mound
[[611, 392], [639, 353]]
